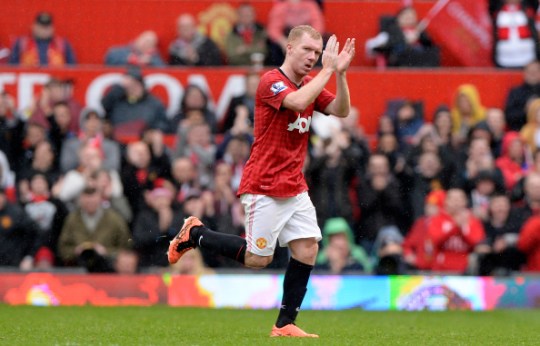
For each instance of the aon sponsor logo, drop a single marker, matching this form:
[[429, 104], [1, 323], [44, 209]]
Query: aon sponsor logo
[[300, 124]]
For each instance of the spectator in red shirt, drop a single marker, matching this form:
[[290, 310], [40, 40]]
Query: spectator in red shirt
[[417, 247], [512, 161], [454, 233], [529, 243], [42, 47]]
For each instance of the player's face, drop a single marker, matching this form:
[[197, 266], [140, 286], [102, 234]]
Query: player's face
[[304, 53]]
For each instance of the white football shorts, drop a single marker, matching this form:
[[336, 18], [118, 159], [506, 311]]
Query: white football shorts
[[269, 219]]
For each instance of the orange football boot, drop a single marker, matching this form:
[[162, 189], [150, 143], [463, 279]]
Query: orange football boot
[[181, 243], [291, 330]]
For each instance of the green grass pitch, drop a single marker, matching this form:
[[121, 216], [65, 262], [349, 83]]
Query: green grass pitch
[[160, 325]]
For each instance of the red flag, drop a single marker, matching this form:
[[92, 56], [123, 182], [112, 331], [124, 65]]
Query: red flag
[[463, 29]]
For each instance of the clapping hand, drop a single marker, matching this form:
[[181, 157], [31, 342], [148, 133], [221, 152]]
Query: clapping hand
[[345, 57]]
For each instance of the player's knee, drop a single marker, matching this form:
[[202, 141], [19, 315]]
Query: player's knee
[[256, 261], [305, 250]]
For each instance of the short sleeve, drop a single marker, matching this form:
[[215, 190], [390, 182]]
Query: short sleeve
[[323, 100], [273, 88]]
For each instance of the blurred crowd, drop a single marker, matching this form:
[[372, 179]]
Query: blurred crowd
[[457, 194]]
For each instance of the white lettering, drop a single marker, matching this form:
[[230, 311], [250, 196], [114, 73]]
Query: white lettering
[[302, 124], [97, 88], [172, 86], [6, 78], [234, 86], [26, 83], [25, 88]]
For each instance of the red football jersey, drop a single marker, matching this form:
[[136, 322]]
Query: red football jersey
[[277, 156]]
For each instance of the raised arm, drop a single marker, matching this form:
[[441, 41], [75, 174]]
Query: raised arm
[[341, 106], [299, 100]]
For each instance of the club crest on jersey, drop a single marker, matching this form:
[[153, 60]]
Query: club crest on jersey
[[300, 124], [278, 87]]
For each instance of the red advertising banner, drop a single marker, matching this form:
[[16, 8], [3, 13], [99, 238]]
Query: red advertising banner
[[463, 29], [370, 89], [103, 290]]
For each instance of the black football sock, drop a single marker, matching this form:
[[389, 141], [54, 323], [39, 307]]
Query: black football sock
[[228, 245], [294, 290]]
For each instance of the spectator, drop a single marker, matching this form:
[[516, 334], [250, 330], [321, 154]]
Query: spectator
[[358, 140], [404, 42], [126, 262], [427, 140], [11, 127], [92, 236], [240, 128], [194, 99], [530, 205], [75, 180], [43, 163], [498, 253], [143, 51], [237, 150], [407, 121], [442, 123], [515, 40], [185, 180], [330, 173], [529, 243], [519, 96], [18, 235], [59, 128], [426, 176], [246, 43], [467, 111], [42, 47], [104, 181], [241, 104], [496, 125], [229, 211], [485, 185], [283, 16], [454, 233], [24, 148], [530, 132], [388, 145], [139, 173], [517, 194], [91, 129], [386, 126], [156, 224], [196, 142], [380, 202], [160, 153], [7, 178], [479, 158], [54, 92], [512, 161], [340, 254], [191, 263], [47, 212], [191, 48], [389, 252], [131, 108], [201, 205], [417, 247]]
